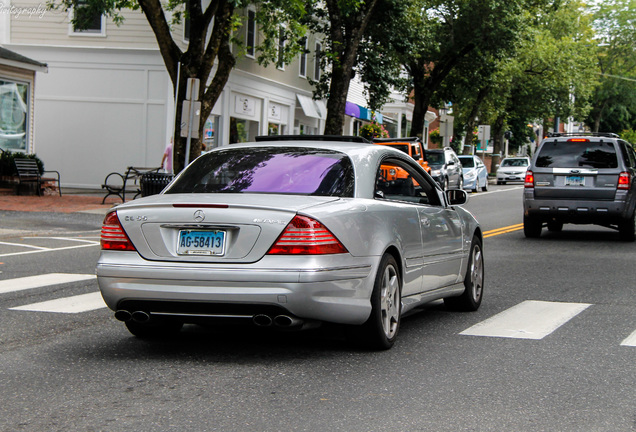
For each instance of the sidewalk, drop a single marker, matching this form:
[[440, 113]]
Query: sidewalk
[[71, 201]]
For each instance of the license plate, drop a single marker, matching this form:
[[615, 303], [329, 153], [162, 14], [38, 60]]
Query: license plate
[[201, 242], [574, 181]]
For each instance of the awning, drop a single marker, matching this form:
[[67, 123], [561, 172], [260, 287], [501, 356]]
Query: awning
[[309, 107], [357, 111]]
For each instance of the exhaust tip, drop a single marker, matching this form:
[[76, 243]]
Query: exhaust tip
[[262, 320], [287, 321], [123, 315], [141, 316]]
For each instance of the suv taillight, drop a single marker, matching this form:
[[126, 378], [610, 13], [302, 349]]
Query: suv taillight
[[113, 235], [529, 182], [306, 236], [624, 181]]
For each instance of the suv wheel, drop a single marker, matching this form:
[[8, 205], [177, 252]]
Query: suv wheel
[[627, 228], [531, 227], [460, 183]]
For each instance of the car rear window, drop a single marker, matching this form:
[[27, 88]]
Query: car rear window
[[577, 154], [435, 158], [402, 147], [514, 162], [467, 162], [279, 170]]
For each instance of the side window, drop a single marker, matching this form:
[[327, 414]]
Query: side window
[[628, 154], [416, 152], [396, 180]]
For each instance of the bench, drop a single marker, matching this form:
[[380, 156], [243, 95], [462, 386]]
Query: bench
[[29, 172], [119, 184]]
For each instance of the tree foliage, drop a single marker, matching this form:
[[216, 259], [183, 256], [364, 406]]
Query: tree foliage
[[343, 22], [614, 98]]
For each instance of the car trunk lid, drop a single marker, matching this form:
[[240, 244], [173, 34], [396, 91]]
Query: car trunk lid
[[210, 228]]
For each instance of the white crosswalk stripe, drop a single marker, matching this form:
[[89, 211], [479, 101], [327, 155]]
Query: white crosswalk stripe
[[527, 320], [530, 319], [30, 282], [630, 341], [75, 304]]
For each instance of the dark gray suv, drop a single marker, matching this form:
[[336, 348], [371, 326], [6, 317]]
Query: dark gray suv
[[581, 179], [446, 168]]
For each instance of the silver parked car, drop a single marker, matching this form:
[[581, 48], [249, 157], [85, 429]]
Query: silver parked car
[[512, 169], [291, 234], [475, 173]]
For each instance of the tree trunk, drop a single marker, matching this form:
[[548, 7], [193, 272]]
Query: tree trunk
[[346, 32], [470, 123], [497, 137]]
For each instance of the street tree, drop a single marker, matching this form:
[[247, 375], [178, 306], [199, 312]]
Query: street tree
[[456, 34], [343, 22], [614, 99], [207, 56]]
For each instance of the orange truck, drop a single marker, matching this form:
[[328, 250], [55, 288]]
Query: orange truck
[[412, 147]]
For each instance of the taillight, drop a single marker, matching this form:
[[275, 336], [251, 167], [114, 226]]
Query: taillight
[[306, 236], [578, 140], [113, 236], [624, 181], [529, 182]]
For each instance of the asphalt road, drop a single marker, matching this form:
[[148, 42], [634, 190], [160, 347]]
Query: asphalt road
[[575, 370]]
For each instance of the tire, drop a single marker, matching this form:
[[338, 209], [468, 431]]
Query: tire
[[627, 229], [499, 182], [153, 329], [460, 183], [485, 186], [381, 329], [532, 227], [471, 298], [555, 226]]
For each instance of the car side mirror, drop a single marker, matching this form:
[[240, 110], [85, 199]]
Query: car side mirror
[[456, 196], [451, 163]]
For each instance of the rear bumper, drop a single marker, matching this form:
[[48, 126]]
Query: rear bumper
[[575, 211], [299, 287]]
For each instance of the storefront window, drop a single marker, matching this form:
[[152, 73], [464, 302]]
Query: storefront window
[[210, 135], [406, 126], [275, 129], [242, 130], [13, 115]]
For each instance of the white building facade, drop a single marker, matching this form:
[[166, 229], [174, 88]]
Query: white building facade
[[107, 101]]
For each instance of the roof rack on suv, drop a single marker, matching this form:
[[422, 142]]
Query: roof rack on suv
[[341, 138], [403, 139], [596, 134]]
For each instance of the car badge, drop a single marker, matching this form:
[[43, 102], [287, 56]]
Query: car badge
[[199, 216], [575, 171]]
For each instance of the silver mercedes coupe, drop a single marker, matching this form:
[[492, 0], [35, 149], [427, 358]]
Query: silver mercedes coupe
[[290, 233]]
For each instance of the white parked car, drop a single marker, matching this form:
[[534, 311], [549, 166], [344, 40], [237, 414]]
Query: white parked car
[[512, 169]]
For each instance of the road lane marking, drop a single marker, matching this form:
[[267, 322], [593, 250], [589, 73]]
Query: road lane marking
[[29, 282], [24, 245], [503, 230], [630, 341], [75, 304], [528, 320], [50, 250]]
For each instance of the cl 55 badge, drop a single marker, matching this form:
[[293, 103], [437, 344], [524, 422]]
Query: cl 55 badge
[[135, 218]]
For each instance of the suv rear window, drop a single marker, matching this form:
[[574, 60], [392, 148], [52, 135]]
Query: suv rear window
[[467, 162], [279, 170], [577, 154]]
